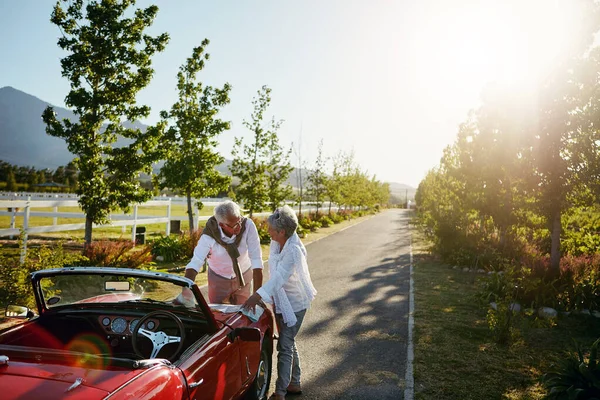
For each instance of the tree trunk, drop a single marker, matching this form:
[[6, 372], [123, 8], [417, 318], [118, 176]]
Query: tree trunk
[[88, 231], [555, 246], [190, 211], [329, 211]]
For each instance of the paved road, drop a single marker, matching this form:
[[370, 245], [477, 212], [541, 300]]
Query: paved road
[[353, 341]]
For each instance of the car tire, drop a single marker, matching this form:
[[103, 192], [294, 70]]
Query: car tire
[[260, 386]]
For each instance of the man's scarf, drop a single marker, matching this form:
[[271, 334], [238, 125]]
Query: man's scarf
[[212, 229]]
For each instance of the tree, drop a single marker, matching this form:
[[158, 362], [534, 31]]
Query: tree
[[249, 161], [59, 175], [5, 168], [334, 183], [109, 62], [191, 141], [563, 122], [278, 170], [11, 182], [71, 175], [42, 176], [317, 180], [347, 170]]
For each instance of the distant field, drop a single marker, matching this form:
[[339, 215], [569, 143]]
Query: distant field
[[109, 232]]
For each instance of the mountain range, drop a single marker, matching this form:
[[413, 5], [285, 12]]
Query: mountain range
[[25, 142]]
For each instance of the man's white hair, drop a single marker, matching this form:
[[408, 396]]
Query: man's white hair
[[227, 209]]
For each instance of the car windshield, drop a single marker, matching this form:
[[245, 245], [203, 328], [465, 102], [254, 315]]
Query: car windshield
[[61, 290]]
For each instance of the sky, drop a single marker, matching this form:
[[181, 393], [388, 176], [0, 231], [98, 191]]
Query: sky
[[387, 80]]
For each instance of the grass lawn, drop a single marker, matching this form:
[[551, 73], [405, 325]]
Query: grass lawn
[[455, 355]]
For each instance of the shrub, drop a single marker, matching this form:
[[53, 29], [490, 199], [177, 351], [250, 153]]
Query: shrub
[[308, 223], [503, 323], [263, 230], [494, 288], [325, 221], [189, 240], [336, 218], [176, 247], [15, 287], [575, 377], [118, 254], [580, 279], [170, 248]]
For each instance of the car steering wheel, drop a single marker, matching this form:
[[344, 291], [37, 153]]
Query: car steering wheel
[[159, 338]]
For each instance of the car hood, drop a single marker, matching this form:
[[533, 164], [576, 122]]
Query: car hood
[[26, 380]]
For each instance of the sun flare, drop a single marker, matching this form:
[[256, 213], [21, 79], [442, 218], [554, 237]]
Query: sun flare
[[510, 42]]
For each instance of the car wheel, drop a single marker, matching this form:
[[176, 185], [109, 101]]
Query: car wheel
[[260, 387]]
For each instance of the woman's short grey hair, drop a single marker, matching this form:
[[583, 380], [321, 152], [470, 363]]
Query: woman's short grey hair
[[284, 219], [227, 209]]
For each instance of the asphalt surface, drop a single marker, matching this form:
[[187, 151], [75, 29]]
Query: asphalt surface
[[353, 341]]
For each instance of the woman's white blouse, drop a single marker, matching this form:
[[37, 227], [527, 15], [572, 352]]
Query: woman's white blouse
[[289, 285]]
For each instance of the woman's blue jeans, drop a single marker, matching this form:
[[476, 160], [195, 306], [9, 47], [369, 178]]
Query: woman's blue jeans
[[288, 362]]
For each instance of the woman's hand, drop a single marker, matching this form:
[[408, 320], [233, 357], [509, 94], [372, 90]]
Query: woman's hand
[[186, 298], [252, 301]]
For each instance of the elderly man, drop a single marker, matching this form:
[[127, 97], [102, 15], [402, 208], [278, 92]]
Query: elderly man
[[231, 246]]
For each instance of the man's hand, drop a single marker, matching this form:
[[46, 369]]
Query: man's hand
[[252, 301]]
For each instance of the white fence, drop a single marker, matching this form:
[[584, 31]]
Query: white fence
[[18, 206]]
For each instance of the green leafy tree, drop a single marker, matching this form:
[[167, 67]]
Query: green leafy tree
[[563, 121], [383, 193], [333, 184], [347, 179], [250, 160], [191, 157], [42, 176], [108, 63], [71, 174], [11, 182], [59, 175], [32, 179], [5, 168], [317, 179], [278, 170]]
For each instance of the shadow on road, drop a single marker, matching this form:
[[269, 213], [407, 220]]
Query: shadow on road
[[374, 317]]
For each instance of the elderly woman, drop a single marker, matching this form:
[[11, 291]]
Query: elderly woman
[[290, 289]]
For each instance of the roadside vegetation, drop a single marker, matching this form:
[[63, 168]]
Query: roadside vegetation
[[457, 352], [515, 201]]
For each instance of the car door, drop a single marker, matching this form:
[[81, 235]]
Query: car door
[[213, 369]]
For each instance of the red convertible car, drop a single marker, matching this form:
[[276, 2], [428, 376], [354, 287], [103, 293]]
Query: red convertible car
[[114, 333]]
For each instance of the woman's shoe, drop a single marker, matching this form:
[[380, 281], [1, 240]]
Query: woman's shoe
[[276, 396], [294, 389]]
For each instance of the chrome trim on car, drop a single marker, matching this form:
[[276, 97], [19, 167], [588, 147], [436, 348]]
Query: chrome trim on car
[[196, 384], [113, 271], [78, 382], [142, 364]]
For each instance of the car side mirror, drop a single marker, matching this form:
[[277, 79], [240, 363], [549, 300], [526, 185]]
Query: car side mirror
[[245, 334], [21, 312]]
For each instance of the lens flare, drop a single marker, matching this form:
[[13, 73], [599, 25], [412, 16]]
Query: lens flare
[[90, 345]]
